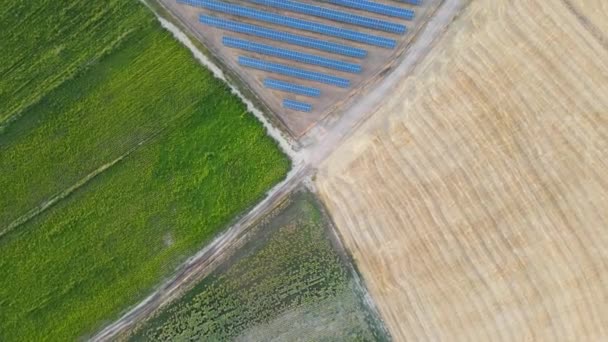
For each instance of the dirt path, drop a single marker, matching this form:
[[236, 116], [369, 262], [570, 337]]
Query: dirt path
[[200, 264], [325, 141]]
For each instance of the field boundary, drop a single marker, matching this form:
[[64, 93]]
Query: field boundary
[[203, 262], [78, 70], [336, 239], [32, 213], [183, 33], [303, 169]]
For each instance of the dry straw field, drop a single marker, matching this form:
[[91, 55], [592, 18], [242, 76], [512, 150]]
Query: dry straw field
[[475, 201]]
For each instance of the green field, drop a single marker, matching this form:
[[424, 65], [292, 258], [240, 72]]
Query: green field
[[287, 283], [133, 93], [187, 157], [45, 43]]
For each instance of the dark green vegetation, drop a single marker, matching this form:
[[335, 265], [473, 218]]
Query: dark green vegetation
[[188, 159], [288, 282]]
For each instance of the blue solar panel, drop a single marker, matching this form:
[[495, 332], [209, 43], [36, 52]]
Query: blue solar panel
[[412, 2], [293, 72], [293, 88], [291, 55], [297, 105], [281, 36], [375, 7], [247, 12], [327, 13]]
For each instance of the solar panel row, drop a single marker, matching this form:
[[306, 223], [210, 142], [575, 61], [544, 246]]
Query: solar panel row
[[300, 7], [297, 105], [293, 88], [412, 2], [291, 55], [281, 36], [272, 18], [375, 7], [293, 72], [327, 13]]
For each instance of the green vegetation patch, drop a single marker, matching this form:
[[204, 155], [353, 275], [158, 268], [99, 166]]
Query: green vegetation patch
[[287, 283], [46, 42], [121, 101], [178, 158]]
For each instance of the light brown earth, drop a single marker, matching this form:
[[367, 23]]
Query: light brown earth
[[475, 201], [593, 11]]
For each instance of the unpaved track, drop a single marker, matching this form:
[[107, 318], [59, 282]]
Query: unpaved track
[[198, 265], [325, 141], [475, 201]]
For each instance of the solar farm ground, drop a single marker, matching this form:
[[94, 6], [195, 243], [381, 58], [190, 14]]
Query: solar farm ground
[[475, 199], [120, 156], [333, 99]]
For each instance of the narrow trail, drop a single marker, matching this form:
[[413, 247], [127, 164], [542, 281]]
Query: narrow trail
[[39, 209], [305, 162], [42, 207], [198, 265]]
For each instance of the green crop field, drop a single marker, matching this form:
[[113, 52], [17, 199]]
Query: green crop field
[[141, 86], [287, 283], [46, 42], [143, 155]]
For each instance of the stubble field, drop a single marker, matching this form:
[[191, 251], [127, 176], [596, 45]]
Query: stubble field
[[475, 200]]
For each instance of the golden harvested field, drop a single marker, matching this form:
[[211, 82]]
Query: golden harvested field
[[475, 201], [595, 12]]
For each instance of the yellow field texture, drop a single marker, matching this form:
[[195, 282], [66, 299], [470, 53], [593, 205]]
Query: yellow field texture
[[475, 201], [594, 13]]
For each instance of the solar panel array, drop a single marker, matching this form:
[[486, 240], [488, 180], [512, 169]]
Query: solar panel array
[[286, 37], [232, 17], [291, 55], [293, 72], [340, 16], [297, 105], [293, 88], [374, 7], [304, 25]]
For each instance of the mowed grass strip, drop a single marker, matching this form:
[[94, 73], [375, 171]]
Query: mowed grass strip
[[197, 159], [46, 42]]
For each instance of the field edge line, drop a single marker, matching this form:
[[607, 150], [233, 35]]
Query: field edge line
[[218, 73], [32, 213], [78, 70]]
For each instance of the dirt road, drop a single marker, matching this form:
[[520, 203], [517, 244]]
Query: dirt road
[[323, 141], [202, 263]]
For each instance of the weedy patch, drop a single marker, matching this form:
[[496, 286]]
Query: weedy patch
[[289, 282]]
